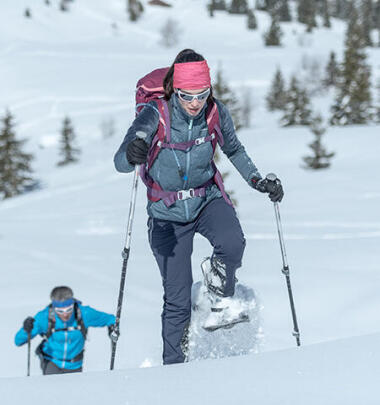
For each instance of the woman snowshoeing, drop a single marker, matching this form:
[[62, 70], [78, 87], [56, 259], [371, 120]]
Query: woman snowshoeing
[[186, 193]]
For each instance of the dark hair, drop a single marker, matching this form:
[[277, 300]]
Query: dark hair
[[61, 293], [187, 55]]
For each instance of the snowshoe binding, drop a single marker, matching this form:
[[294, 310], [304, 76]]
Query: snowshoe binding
[[226, 312]]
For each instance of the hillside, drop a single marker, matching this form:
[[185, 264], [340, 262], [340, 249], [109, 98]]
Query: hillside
[[343, 372]]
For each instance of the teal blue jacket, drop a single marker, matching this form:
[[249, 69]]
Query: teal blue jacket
[[195, 162], [62, 346]]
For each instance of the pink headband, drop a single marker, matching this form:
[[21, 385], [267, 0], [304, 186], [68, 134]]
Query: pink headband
[[191, 75]]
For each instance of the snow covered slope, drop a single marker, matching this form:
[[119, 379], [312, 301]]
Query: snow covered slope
[[343, 372], [72, 231]]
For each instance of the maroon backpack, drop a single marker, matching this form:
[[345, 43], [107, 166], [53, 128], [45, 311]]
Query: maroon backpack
[[149, 88]]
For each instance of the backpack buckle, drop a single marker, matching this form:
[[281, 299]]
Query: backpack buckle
[[185, 194], [198, 141]]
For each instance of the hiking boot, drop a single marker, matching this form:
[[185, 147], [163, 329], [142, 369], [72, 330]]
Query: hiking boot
[[225, 313], [214, 275]]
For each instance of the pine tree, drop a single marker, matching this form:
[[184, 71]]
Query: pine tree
[[378, 100], [68, 152], [222, 92], [170, 33], [306, 13], [325, 12], [273, 36], [267, 5], [276, 97], [63, 6], [261, 5], [320, 158], [342, 9], [367, 20], [134, 9], [353, 100], [337, 9], [309, 26], [283, 12], [210, 8], [238, 7], [332, 72], [376, 17], [297, 108], [27, 13], [47, 2], [219, 5], [15, 169], [252, 22], [279, 8]]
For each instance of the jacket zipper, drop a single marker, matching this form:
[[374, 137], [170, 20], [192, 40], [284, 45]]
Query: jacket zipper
[[65, 349], [188, 167]]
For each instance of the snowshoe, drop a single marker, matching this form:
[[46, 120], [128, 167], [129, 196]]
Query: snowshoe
[[217, 339], [226, 324], [225, 313]]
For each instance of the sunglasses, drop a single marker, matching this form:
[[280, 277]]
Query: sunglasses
[[62, 311], [190, 97]]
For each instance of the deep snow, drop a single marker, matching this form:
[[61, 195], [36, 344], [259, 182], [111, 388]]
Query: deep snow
[[343, 372]]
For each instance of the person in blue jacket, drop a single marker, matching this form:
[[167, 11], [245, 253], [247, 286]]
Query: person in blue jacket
[[63, 324]]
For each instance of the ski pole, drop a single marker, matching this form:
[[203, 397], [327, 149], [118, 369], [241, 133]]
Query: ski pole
[[125, 256], [272, 178], [28, 369]]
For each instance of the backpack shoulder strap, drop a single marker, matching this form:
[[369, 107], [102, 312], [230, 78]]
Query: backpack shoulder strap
[[164, 109], [163, 131], [79, 319], [51, 322], [213, 123]]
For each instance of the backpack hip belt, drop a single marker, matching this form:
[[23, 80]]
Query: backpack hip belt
[[155, 193], [78, 357]]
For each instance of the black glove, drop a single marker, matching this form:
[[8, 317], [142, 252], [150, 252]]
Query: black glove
[[137, 152], [274, 188], [113, 333], [28, 324]]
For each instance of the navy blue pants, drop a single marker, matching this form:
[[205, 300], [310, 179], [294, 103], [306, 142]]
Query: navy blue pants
[[172, 246]]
